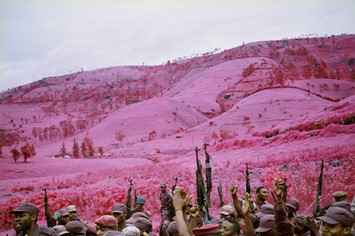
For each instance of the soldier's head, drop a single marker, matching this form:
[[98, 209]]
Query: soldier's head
[[119, 211], [262, 193], [337, 222], [143, 224], [105, 223], [340, 196], [73, 213], [230, 227], [206, 230], [62, 216], [292, 206], [267, 226], [228, 212], [140, 200], [76, 228], [162, 187], [25, 216]]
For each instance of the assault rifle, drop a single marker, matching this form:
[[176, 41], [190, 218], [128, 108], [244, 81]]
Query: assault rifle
[[50, 221], [208, 176], [129, 197], [319, 190], [201, 192], [247, 179], [220, 194], [171, 213], [284, 194]]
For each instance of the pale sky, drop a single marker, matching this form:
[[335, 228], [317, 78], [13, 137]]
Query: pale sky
[[42, 38]]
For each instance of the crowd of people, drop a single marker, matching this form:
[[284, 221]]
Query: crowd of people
[[244, 216]]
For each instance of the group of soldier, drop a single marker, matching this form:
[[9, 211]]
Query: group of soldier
[[180, 216]]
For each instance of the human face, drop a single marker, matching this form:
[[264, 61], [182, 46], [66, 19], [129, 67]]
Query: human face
[[228, 229], [23, 221], [73, 215], [63, 220], [101, 230], [263, 194], [334, 230], [290, 211], [162, 189], [119, 216]]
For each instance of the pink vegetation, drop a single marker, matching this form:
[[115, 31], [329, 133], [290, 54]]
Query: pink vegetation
[[281, 106]]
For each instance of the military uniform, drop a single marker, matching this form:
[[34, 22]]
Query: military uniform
[[165, 199]]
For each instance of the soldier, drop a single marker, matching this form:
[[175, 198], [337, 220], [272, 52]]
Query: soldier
[[73, 213], [165, 200], [337, 221], [292, 206], [119, 211], [228, 212], [206, 230], [25, 222], [262, 195], [75, 228], [340, 196], [105, 223], [131, 231], [139, 207], [230, 227], [61, 216]]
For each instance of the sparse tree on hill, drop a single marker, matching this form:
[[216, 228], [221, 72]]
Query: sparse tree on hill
[[15, 154], [83, 149], [76, 150], [101, 151], [63, 150], [26, 152]]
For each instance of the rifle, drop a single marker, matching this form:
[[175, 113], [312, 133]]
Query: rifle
[[208, 176], [220, 194], [171, 208], [247, 179], [319, 190], [49, 219], [201, 199], [284, 194], [129, 197], [135, 197]]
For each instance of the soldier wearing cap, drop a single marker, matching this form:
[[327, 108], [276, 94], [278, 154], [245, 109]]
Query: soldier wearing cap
[[266, 225], [139, 207], [337, 221], [76, 228], [105, 223], [230, 227], [25, 222], [340, 196], [165, 200], [73, 213], [61, 216], [206, 230], [228, 212], [119, 211]]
